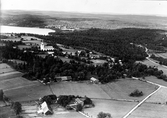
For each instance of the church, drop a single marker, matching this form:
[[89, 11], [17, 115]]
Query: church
[[45, 47]]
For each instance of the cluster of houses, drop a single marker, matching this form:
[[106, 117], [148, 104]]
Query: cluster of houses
[[65, 78], [45, 108]]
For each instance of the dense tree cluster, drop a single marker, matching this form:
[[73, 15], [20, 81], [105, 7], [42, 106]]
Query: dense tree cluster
[[141, 70], [17, 107], [136, 93], [104, 115], [161, 60]]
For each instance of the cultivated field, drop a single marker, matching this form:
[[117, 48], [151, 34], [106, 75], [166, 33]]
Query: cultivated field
[[148, 110], [117, 109], [122, 88]]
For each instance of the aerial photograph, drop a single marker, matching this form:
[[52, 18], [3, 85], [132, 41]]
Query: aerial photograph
[[83, 58]]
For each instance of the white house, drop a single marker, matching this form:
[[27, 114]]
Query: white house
[[44, 109]]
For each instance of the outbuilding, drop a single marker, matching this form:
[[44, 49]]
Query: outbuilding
[[94, 80]]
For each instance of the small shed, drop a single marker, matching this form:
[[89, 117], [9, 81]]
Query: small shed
[[44, 109], [63, 78], [94, 80], [79, 101]]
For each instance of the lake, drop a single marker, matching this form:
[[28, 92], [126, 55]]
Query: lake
[[32, 30]]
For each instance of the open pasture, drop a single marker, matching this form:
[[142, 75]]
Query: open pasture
[[81, 89], [122, 88], [159, 97], [117, 109], [148, 110]]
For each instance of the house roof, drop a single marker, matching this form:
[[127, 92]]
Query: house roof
[[44, 107], [93, 79], [63, 78], [78, 100]]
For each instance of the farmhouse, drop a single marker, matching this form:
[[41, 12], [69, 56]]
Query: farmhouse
[[94, 80], [44, 109], [63, 78]]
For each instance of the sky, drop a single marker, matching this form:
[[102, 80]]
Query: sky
[[139, 7]]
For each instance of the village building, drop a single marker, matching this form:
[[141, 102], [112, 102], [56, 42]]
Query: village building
[[46, 48], [63, 78], [94, 80], [44, 109]]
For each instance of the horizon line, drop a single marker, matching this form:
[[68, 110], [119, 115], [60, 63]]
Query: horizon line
[[95, 13]]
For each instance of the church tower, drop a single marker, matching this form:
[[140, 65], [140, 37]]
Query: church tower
[[42, 46]]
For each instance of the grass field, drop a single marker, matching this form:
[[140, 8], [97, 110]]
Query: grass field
[[117, 109], [4, 68], [10, 75], [159, 97], [15, 82], [148, 110], [122, 88], [82, 89]]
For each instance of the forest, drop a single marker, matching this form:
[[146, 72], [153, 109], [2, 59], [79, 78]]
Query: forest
[[37, 68]]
